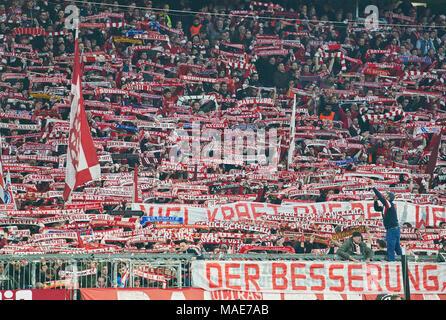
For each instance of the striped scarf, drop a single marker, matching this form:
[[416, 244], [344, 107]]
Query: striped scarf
[[419, 74], [97, 57], [270, 6], [338, 54], [377, 51], [31, 31], [387, 115]]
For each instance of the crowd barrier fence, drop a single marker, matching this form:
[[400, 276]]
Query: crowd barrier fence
[[74, 272]]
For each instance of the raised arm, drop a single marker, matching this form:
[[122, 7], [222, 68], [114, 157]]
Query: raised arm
[[378, 194], [376, 206]]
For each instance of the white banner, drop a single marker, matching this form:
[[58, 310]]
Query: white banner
[[317, 277], [417, 215], [197, 294]]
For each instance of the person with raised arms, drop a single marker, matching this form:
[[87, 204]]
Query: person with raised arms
[[390, 221]]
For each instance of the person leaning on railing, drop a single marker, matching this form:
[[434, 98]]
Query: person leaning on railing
[[441, 256], [354, 245]]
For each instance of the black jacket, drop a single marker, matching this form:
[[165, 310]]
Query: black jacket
[[389, 215]]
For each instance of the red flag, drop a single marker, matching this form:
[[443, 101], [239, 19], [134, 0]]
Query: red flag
[[82, 160], [432, 163], [135, 197], [2, 183]]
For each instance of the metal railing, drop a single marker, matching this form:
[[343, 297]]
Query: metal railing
[[108, 270], [93, 271]]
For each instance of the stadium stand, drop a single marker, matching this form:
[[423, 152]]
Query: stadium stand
[[236, 129]]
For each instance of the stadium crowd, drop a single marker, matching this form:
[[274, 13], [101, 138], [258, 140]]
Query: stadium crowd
[[368, 103]]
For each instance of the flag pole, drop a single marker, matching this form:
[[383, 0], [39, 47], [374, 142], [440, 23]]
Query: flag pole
[[82, 161], [292, 134], [76, 36], [405, 274], [2, 180], [80, 243]]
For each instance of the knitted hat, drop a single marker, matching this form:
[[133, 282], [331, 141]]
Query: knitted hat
[[391, 196]]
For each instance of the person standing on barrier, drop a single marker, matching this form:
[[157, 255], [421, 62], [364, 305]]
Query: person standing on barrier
[[390, 221]]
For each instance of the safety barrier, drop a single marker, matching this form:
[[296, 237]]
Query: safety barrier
[[75, 272], [93, 271]]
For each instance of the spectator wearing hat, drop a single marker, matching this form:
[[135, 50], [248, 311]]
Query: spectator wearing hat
[[390, 220], [353, 246]]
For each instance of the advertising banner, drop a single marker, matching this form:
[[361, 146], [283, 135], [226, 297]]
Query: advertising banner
[[317, 277], [35, 294], [229, 295]]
